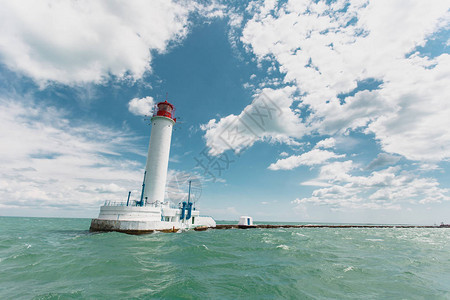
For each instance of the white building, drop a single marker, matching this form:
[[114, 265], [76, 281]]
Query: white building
[[245, 221]]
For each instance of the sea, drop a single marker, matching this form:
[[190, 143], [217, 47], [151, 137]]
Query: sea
[[57, 258]]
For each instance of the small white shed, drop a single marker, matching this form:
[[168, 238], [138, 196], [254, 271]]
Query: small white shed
[[245, 220]]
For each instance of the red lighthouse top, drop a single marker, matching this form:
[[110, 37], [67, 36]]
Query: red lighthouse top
[[164, 109]]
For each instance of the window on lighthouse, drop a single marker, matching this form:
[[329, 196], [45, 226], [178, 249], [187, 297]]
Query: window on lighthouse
[[165, 107]]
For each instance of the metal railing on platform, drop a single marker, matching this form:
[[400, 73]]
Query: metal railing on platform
[[133, 203], [114, 203]]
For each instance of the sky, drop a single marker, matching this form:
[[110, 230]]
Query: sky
[[288, 111]]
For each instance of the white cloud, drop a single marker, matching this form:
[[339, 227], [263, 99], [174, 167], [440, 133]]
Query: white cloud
[[51, 163], [417, 127], [428, 167], [357, 112], [384, 189], [326, 49], [267, 118], [313, 157], [110, 188], [247, 85], [284, 154], [142, 106], [326, 143], [74, 42]]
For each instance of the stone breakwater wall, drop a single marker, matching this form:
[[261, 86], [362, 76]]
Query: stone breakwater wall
[[227, 226]]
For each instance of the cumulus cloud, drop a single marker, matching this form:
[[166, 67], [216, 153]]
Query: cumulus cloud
[[51, 163], [326, 143], [267, 118], [328, 48], [313, 157], [385, 189], [141, 106], [417, 125], [74, 42]]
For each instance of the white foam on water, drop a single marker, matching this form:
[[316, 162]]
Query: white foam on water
[[267, 238], [205, 247], [267, 241], [375, 240], [298, 234], [349, 269], [73, 237], [284, 247]]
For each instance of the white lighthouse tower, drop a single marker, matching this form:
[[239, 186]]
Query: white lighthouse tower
[[152, 212], [158, 154]]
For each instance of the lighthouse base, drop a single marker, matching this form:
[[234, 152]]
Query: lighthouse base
[[131, 227], [146, 219]]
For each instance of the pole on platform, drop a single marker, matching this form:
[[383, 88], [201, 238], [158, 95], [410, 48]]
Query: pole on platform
[[141, 203], [128, 200]]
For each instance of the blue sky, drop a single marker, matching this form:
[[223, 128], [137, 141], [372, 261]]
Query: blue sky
[[308, 111]]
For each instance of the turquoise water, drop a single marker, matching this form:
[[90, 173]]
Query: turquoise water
[[59, 259]]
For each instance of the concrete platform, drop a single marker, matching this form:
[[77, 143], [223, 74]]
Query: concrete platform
[[130, 227]]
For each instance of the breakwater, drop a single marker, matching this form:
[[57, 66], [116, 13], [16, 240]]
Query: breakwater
[[233, 226]]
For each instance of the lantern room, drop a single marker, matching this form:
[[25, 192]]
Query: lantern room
[[164, 109]]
